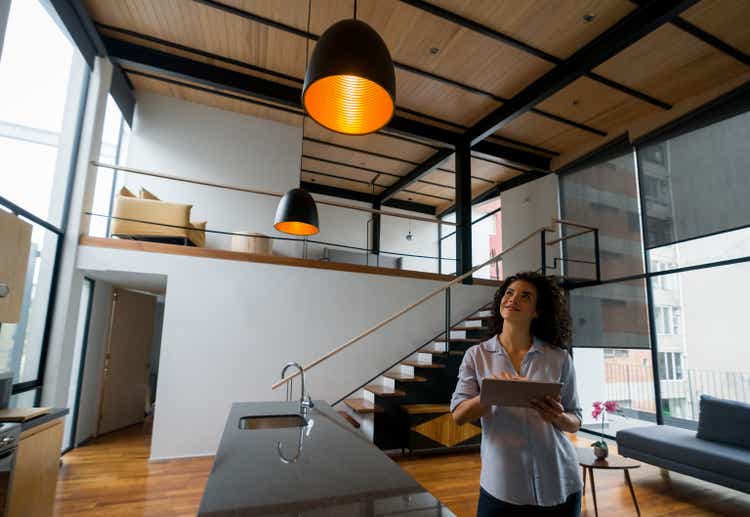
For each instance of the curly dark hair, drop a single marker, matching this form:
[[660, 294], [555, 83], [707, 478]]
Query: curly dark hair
[[553, 323]]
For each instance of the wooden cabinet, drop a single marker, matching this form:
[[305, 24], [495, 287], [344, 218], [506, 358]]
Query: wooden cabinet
[[15, 238], [35, 474]]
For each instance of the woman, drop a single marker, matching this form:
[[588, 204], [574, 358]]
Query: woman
[[529, 467]]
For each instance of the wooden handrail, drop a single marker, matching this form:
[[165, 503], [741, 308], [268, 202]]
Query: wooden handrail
[[577, 225], [411, 306], [144, 172]]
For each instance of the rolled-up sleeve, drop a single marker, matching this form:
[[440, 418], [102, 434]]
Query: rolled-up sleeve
[[569, 394], [468, 385]]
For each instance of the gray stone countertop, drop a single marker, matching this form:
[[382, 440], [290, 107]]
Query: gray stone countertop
[[338, 472]]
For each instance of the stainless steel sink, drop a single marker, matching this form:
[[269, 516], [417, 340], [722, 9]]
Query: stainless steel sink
[[272, 422]]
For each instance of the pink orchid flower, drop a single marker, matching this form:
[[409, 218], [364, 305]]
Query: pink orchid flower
[[611, 406]]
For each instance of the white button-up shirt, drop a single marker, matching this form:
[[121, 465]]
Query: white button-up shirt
[[525, 460]]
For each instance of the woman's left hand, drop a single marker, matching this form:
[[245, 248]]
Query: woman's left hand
[[549, 408]]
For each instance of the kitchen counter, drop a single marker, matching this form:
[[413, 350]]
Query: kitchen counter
[[54, 414], [337, 472]]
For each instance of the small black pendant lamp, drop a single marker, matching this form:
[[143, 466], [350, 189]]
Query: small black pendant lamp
[[350, 85], [296, 213]]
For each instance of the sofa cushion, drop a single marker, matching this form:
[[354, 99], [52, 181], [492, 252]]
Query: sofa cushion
[[145, 194], [725, 421], [124, 192], [683, 446]]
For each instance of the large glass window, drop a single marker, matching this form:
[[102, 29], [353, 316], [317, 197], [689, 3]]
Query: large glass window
[[115, 136], [35, 78], [21, 343], [696, 184], [42, 80], [604, 196]]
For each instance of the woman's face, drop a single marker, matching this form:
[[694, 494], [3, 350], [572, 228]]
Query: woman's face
[[519, 302]]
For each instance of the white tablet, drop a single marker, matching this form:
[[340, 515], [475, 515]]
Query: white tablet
[[496, 392]]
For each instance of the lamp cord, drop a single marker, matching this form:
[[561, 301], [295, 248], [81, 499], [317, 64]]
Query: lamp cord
[[304, 111]]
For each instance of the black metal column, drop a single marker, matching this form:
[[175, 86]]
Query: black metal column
[[375, 244], [463, 209]]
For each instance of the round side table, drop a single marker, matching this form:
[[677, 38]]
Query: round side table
[[589, 462]]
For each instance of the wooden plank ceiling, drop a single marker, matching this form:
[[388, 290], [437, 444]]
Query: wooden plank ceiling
[[449, 74]]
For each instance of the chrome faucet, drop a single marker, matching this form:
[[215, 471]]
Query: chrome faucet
[[305, 403]]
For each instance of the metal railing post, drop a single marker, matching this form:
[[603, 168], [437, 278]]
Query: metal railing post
[[544, 252], [447, 319], [596, 256]]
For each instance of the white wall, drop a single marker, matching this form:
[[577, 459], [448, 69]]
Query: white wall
[[88, 409], [525, 209], [196, 141], [393, 231], [230, 326]]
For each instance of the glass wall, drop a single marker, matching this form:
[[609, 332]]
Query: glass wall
[[42, 78], [486, 239], [685, 309]]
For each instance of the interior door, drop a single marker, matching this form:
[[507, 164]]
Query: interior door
[[126, 360]]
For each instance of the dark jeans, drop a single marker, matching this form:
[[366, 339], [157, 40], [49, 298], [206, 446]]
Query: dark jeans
[[491, 507]]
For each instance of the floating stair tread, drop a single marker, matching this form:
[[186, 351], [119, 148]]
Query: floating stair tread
[[404, 377], [346, 416], [384, 391], [363, 406], [460, 340], [478, 318], [433, 352], [417, 409], [456, 352], [464, 327], [417, 364]]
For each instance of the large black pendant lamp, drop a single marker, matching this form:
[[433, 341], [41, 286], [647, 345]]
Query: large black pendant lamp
[[297, 214], [350, 84]]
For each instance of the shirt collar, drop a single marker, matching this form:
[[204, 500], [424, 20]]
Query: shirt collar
[[493, 345]]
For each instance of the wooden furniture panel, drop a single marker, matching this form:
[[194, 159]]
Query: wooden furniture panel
[[671, 65], [15, 237], [726, 19], [556, 27], [35, 473]]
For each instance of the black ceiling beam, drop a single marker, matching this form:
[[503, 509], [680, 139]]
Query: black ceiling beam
[[712, 40], [371, 183], [524, 47], [131, 55], [420, 170], [707, 38], [326, 190], [72, 16], [403, 66], [499, 188], [627, 31]]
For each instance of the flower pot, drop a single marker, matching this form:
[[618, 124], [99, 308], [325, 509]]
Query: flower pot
[[601, 452]]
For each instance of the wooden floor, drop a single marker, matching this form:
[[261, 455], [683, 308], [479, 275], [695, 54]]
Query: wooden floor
[[112, 477]]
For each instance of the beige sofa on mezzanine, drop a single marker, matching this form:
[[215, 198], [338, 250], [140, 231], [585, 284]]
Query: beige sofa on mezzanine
[[148, 218]]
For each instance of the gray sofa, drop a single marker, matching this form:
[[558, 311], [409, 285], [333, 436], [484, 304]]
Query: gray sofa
[[719, 452]]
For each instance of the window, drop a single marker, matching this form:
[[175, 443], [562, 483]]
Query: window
[[42, 80], [670, 366], [604, 196], [668, 319], [33, 112]]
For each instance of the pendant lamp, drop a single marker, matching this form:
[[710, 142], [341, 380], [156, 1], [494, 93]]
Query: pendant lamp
[[350, 84], [296, 213]]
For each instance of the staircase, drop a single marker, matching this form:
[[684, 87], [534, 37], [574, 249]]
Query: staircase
[[408, 407]]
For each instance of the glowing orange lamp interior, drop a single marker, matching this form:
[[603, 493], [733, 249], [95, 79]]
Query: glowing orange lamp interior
[[296, 228], [349, 104]]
